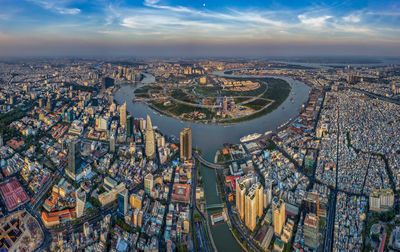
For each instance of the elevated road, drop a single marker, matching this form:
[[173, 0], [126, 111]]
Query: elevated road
[[214, 206], [207, 163], [377, 96]]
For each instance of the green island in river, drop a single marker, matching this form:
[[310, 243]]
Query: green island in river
[[226, 101]]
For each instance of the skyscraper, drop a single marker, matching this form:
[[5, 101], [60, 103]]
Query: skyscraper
[[123, 202], [129, 125], [242, 185], [80, 197], [250, 209], [122, 115], [74, 159], [278, 215], [148, 183], [254, 205], [249, 200], [267, 193], [112, 143], [150, 147], [260, 198], [311, 230], [186, 143]]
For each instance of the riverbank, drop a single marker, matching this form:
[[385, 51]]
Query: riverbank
[[210, 137]]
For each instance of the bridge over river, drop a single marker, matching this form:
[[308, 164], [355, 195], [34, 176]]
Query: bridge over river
[[207, 163]]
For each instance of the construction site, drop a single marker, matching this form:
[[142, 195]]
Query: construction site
[[20, 231]]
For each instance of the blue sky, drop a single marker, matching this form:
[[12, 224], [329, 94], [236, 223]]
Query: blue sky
[[183, 27]]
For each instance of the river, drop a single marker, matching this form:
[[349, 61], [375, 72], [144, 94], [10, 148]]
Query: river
[[210, 137]]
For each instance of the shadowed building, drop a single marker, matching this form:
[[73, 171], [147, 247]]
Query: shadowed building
[[123, 202], [311, 230], [129, 125], [74, 159], [80, 196]]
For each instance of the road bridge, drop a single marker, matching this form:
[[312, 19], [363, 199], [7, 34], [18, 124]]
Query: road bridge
[[214, 206], [207, 163]]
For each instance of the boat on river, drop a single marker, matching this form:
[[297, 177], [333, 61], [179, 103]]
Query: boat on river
[[250, 137]]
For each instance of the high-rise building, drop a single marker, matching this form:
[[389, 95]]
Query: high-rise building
[[129, 125], [48, 104], [74, 159], [80, 197], [123, 202], [311, 202], [381, 200], [136, 199], [249, 200], [242, 185], [122, 115], [69, 115], [142, 124], [148, 183], [278, 215], [150, 147], [186, 144], [112, 143], [258, 188], [250, 209], [254, 205], [311, 230], [268, 193]]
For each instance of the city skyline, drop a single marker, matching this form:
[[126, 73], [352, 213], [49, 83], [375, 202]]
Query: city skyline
[[198, 28]]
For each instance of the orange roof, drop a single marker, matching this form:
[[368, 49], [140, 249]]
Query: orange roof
[[66, 211], [48, 218]]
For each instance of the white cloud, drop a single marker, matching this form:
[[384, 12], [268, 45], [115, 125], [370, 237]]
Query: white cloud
[[352, 18], [156, 18], [164, 23], [68, 11], [314, 21], [58, 6], [151, 2]]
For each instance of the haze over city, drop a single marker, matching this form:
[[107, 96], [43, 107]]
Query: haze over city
[[199, 28], [185, 126]]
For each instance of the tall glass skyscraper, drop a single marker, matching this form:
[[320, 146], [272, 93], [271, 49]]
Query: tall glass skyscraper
[[74, 159]]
